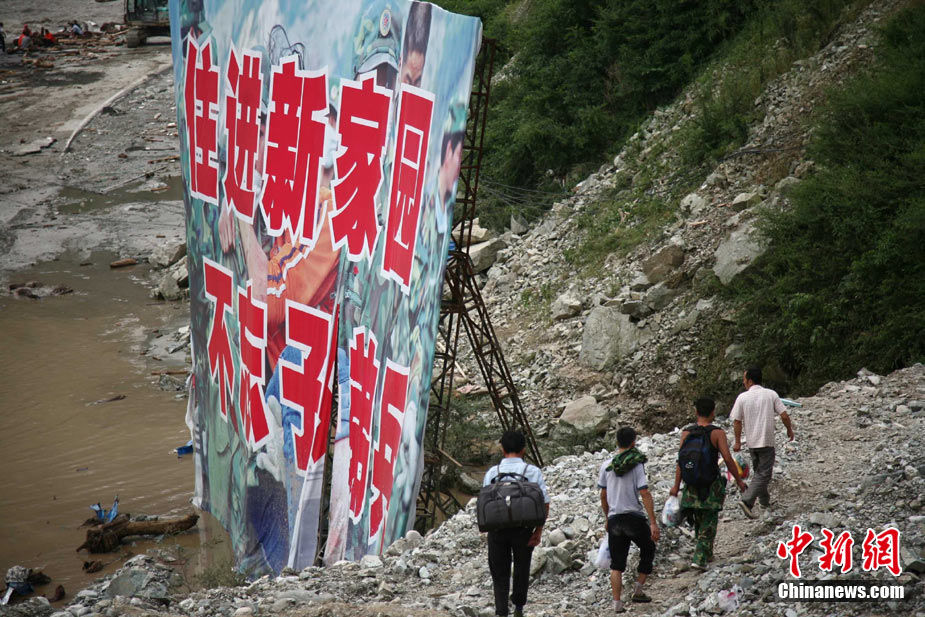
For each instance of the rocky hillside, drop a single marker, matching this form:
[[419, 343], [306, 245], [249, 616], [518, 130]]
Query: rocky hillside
[[641, 330], [858, 462]]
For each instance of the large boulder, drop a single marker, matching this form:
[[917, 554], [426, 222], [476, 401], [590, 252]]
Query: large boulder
[[585, 415], [608, 335], [174, 282], [737, 252], [168, 253], [743, 201], [483, 255], [660, 265], [518, 225], [137, 583], [659, 296], [693, 203], [635, 308], [479, 234], [566, 306]]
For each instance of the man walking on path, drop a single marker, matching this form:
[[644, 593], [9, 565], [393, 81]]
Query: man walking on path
[[622, 481], [755, 410], [515, 544], [703, 503]]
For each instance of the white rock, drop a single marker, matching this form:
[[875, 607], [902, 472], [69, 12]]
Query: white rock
[[737, 252], [371, 561], [585, 414], [693, 203]]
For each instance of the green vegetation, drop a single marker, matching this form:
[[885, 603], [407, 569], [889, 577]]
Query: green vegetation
[[843, 283], [468, 430], [537, 300], [774, 37], [578, 76], [617, 225], [223, 573]]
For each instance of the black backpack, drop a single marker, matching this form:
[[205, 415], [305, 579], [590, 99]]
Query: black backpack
[[510, 500], [697, 458]]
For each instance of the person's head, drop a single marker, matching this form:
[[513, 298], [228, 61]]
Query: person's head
[[375, 46], [454, 134], [705, 407], [626, 437], [513, 442], [414, 48], [752, 376]]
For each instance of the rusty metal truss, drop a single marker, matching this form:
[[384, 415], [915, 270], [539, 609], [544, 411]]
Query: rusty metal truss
[[463, 307]]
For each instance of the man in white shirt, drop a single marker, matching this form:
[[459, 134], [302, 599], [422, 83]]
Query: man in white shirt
[[516, 544], [754, 410]]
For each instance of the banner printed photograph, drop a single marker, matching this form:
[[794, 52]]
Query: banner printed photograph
[[318, 216]]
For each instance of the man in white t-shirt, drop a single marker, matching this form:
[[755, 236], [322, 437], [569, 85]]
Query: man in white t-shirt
[[754, 412], [625, 500]]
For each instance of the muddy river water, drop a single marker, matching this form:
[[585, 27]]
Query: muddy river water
[[62, 448]]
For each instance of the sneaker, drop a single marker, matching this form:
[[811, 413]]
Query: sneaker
[[747, 510], [640, 596], [618, 606], [699, 566], [518, 611]]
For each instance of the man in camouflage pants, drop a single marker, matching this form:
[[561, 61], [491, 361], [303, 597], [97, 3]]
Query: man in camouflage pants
[[702, 505]]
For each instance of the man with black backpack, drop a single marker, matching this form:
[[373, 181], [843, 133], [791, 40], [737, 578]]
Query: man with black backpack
[[507, 544], [702, 443]]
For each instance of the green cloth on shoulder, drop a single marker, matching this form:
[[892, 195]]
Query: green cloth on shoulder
[[626, 460], [712, 499]]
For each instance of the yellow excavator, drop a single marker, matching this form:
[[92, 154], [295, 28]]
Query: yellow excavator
[[145, 18]]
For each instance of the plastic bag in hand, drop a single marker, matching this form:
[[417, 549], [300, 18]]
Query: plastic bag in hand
[[671, 513], [602, 560]]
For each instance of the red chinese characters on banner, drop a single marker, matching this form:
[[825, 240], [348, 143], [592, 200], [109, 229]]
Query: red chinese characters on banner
[[364, 374], [392, 413], [362, 124], [306, 387], [252, 338], [218, 290], [415, 112], [881, 550], [244, 85], [837, 550], [200, 99], [793, 548], [293, 151]]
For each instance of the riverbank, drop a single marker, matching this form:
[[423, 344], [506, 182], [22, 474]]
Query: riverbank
[[858, 462], [93, 367]]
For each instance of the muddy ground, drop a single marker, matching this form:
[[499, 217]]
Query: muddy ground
[[89, 406], [45, 97]]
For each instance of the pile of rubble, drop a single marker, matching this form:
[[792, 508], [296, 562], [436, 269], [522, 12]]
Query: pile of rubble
[[630, 334], [858, 462]]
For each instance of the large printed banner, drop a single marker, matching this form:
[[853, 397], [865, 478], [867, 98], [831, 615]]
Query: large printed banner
[[320, 149]]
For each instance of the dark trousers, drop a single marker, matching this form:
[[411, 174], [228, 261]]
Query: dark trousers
[[623, 529], [762, 467], [507, 546]]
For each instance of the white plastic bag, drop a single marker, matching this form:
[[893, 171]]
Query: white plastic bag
[[671, 513], [728, 599], [602, 560]]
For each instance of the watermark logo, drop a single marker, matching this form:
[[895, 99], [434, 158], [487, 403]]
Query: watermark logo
[[879, 550], [838, 591]]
